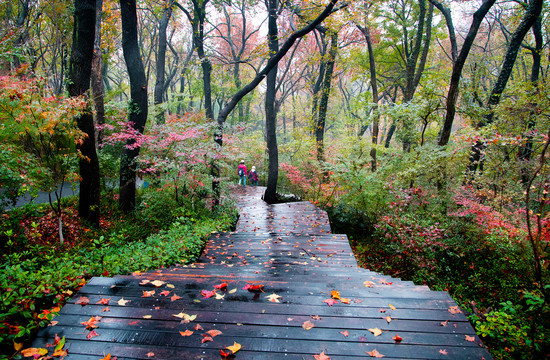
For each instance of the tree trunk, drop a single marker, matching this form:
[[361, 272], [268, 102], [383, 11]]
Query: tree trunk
[[98, 89], [452, 95], [80, 69], [270, 111], [161, 62], [138, 108], [325, 93], [529, 18]]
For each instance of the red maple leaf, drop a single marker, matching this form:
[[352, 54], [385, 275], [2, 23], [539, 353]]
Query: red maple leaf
[[104, 301], [92, 334], [208, 294], [222, 286], [330, 302], [253, 288]]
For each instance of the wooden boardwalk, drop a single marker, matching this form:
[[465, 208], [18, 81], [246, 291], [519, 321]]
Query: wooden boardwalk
[[289, 255]]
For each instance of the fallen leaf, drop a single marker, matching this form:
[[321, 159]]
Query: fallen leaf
[[186, 333], [225, 354], [144, 282], [316, 317], [308, 325], [82, 301], [345, 301], [444, 352], [53, 323], [198, 327], [164, 293], [345, 333], [445, 323], [375, 353], [170, 286], [388, 319], [385, 282], [175, 297], [375, 331], [91, 323], [253, 288], [330, 301], [273, 297], [60, 353], [397, 338], [234, 348], [392, 307], [232, 291], [368, 283], [382, 310], [107, 357], [132, 322], [105, 309], [150, 354], [17, 346], [34, 352], [92, 334], [147, 316], [220, 296], [59, 343], [222, 286], [157, 283], [335, 294], [321, 356], [214, 333], [206, 338], [104, 301], [123, 302], [470, 338], [148, 293], [207, 294], [454, 310]]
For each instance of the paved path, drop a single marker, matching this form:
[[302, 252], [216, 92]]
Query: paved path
[[293, 291]]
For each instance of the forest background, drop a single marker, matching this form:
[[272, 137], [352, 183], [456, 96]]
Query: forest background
[[421, 126]]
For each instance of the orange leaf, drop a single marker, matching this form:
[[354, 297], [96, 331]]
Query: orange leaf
[[321, 356], [345, 333], [388, 319], [148, 293], [368, 283], [444, 352], [375, 331], [214, 333], [164, 293], [444, 323], [335, 294], [397, 338], [150, 354], [104, 301], [108, 357], [454, 310], [198, 327], [374, 353], [35, 352], [206, 338], [186, 333], [308, 325], [105, 309], [316, 317], [91, 323], [345, 300], [470, 338], [175, 297]]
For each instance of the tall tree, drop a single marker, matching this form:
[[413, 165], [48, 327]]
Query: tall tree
[[138, 108], [270, 111], [458, 61], [161, 60], [325, 92], [98, 88], [80, 68], [529, 18]]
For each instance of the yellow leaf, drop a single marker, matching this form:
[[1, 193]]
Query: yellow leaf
[[391, 306], [233, 291], [368, 283], [219, 296], [375, 331], [170, 286], [123, 302], [234, 348], [335, 294], [308, 325], [157, 283], [17, 346], [147, 316]]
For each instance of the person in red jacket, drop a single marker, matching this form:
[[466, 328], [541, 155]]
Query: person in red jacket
[[241, 170]]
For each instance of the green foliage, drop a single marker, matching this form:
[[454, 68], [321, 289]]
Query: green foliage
[[36, 279]]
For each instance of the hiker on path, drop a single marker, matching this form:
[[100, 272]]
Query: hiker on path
[[253, 176], [241, 170]]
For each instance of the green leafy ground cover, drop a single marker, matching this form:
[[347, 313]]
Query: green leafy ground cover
[[37, 274]]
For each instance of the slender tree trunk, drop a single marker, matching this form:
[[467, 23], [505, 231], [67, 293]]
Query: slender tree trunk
[[270, 111], [161, 62], [458, 65], [80, 68], [98, 90], [529, 19], [325, 93], [138, 108]]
